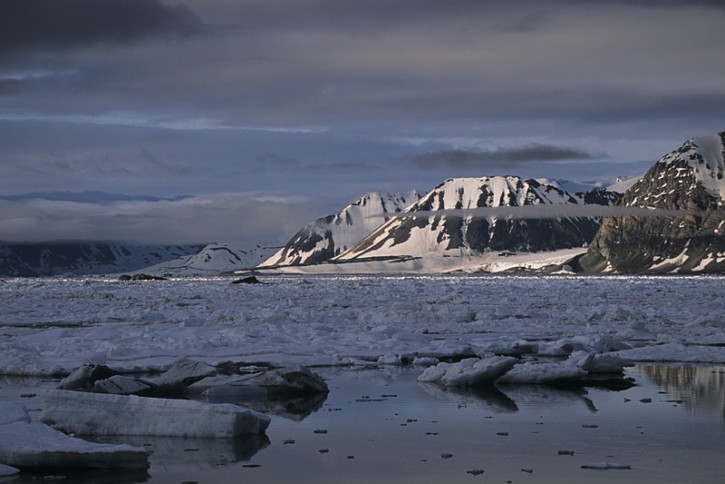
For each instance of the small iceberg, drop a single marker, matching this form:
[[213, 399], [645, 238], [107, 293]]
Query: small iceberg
[[468, 372], [24, 444], [85, 413]]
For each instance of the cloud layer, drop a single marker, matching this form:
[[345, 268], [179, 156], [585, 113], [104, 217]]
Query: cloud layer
[[244, 218], [28, 25], [508, 157], [324, 100]]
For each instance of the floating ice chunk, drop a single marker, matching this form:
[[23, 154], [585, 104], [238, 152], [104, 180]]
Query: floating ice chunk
[[12, 412], [85, 376], [183, 373], [390, 359], [120, 385], [507, 346], [468, 372], [425, 361], [7, 470], [637, 330], [37, 445], [541, 372], [100, 414], [600, 363], [278, 383], [598, 343]]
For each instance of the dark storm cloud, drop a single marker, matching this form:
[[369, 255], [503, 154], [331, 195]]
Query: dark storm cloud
[[52, 24], [501, 157]]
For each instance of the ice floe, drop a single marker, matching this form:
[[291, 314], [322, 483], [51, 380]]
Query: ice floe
[[53, 326], [468, 372], [86, 413], [25, 444]]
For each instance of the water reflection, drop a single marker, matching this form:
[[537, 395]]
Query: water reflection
[[176, 454], [508, 398], [702, 389], [296, 409], [79, 476], [488, 397]]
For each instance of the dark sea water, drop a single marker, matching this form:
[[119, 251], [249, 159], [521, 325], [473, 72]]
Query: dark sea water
[[383, 426]]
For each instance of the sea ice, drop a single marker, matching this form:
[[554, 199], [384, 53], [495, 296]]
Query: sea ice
[[12, 412], [468, 372], [542, 371], [32, 444], [85, 413], [120, 385], [7, 470], [183, 373], [52, 326], [277, 383]]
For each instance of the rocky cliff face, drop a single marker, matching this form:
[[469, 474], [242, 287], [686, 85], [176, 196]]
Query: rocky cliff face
[[329, 236], [453, 234], [690, 179]]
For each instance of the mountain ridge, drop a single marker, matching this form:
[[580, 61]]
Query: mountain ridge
[[413, 235], [690, 179], [329, 236]]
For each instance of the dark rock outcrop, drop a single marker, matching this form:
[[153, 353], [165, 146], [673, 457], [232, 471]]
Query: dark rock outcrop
[[688, 180]]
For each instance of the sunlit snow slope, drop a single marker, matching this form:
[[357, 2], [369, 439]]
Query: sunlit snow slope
[[213, 259], [455, 235], [329, 236]]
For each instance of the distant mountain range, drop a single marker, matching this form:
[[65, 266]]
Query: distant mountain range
[[78, 258], [476, 219]]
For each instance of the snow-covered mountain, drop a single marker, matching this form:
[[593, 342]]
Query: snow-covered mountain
[[78, 258], [466, 233], [214, 259], [330, 236], [690, 179]]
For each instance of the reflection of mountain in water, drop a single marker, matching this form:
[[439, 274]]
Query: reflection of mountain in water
[[702, 389]]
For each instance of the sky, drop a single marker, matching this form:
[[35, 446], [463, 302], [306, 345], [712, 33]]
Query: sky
[[241, 121]]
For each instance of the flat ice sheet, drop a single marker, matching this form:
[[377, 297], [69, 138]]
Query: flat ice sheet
[[53, 325]]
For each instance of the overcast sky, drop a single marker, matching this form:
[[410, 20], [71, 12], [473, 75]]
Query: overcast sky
[[193, 113]]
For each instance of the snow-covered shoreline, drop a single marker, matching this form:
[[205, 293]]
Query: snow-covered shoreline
[[51, 326]]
